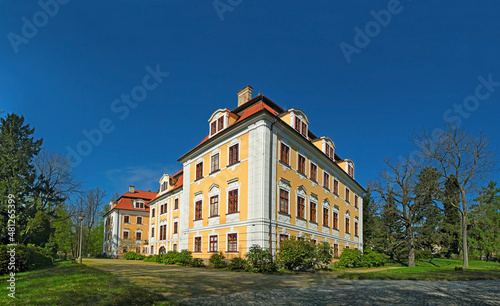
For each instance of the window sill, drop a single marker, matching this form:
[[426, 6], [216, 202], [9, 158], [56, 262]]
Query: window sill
[[198, 179], [300, 218], [232, 252], [326, 226], [232, 164], [284, 164], [198, 219], [313, 222], [215, 171], [214, 216], [233, 212], [284, 213]]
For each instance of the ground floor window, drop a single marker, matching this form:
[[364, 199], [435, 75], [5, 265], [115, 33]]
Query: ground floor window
[[214, 243], [197, 244], [232, 242]]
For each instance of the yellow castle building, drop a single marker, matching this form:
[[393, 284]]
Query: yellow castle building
[[259, 177]]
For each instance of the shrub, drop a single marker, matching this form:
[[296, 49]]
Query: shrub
[[296, 254], [372, 259], [260, 260], [184, 258], [350, 258], [27, 258], [217, 260], [169, 258], [238, 264], [324, 254], [197, 262], [150, 258], [133, 256]]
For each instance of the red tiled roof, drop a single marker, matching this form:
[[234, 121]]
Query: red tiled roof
[[139, 194], [179, 182], [255, 108], [126, 203], [180, 171]]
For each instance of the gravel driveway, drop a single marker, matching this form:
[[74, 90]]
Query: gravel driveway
[[196, 286]]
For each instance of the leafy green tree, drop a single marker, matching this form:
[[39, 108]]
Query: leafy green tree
[[65, 234], [17, 173], [450, 226], [39, 229], [466, 156], [485, 222], [392, 240], [428, 193], [370, 229]]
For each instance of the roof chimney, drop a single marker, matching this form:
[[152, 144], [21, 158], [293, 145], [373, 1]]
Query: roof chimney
[[244, 95], [131, 189]]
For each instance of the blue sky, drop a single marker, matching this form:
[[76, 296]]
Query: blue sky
[[63, 69]]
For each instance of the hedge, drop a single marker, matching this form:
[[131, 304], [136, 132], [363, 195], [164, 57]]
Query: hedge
[[27, 258]]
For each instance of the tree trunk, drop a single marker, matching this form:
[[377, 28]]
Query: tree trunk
[[464, 241], [411, 247]]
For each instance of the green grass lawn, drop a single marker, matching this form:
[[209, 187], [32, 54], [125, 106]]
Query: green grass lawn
[[75, 284], [435, 269]]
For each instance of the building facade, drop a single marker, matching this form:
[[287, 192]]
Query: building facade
[[127, 223], [259, 177]]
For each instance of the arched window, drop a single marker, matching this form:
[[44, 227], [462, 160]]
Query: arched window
[[162, 250]]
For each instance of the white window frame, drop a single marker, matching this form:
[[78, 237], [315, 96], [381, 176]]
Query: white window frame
[[289, 153], [232, 185], [305, 164], [218, 240], [317, 170], [330, 181], [235, 141], [237, 241], [211, 165], [198, 197], [285, 185], [194, 243]]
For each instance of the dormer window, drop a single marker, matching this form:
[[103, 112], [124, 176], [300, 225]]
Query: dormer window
[[139, 204], [164, 186], [328, 147], [329, 151], [349, 167], [218, 121], [301, 126]]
